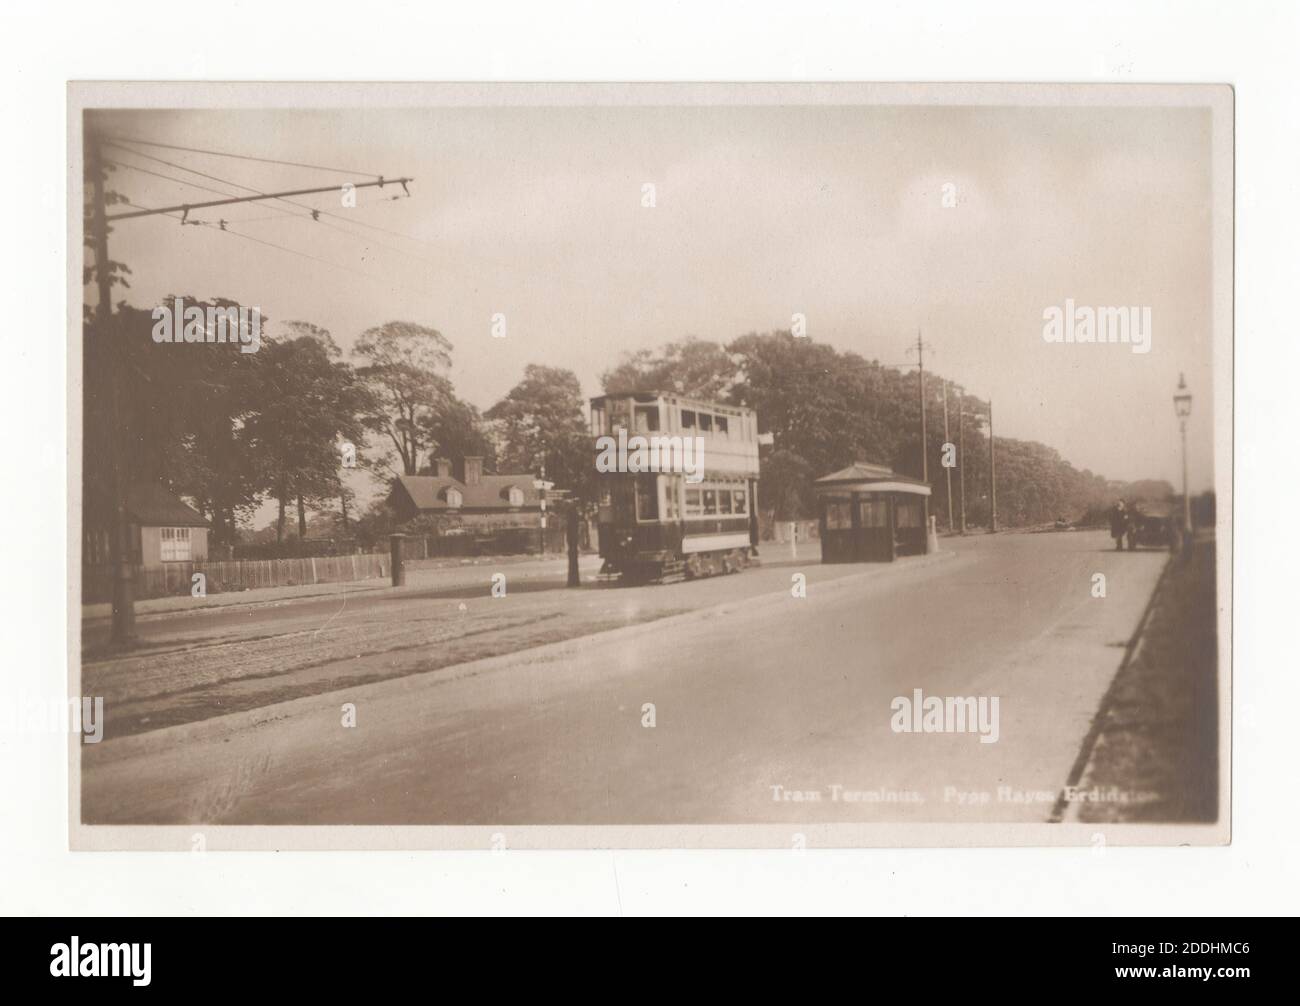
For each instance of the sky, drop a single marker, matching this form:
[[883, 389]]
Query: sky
[[760, 213]]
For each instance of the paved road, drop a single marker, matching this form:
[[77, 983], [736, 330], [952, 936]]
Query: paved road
[[772, 697]]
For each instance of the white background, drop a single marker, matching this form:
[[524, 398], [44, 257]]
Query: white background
[[1249, 46]]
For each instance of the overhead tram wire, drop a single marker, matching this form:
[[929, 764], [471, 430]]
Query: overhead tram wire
[[314, 212], [202, 188], [216, 227], [182, 167], [249, 188], [169, 178], [244, 157]]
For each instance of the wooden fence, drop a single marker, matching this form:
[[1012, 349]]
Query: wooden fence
[[177, 578]]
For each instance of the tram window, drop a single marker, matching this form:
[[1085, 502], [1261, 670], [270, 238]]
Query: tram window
[[839, 515], [722, 426], [710, 501], [688, 419], [739, 501], [694, 506], [724, 501], [670, 498], [647, 418], [647, 498], [706, 423]]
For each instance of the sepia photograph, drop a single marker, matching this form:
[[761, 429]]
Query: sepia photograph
[[581, 466], [648, 460]]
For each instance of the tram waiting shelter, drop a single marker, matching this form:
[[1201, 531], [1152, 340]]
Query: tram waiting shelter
[[871, 514]]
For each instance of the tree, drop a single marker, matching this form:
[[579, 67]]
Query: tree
[[786, 485], [457, 430], [693, 367], [309, 402], [801, 397], [403, 370], [183, 426], [543, 429]]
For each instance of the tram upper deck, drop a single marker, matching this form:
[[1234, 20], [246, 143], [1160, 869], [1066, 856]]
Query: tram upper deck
[[728, 434]]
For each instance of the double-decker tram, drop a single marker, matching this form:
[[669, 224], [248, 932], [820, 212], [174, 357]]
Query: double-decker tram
[[691, 518]]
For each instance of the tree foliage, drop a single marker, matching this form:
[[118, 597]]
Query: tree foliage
[[403, 366], [827, 408], [542, 428]]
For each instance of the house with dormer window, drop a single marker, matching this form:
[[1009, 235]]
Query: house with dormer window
[[461, 494]]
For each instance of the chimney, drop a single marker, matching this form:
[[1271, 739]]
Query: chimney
[[443, 467], [473, 470]]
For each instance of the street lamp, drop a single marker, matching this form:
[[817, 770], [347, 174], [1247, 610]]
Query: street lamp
[[1183, 409]]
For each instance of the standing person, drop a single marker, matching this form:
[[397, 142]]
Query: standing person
[[1134, 525], [1118, 524]]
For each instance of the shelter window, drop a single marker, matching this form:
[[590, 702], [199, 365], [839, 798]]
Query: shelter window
[[908, 514], [839, 514], [875, 513]]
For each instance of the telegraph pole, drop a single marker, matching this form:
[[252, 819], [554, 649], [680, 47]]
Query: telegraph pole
[[119, 542], [961, 452], [993, 476], [920, 368], [947, 471]]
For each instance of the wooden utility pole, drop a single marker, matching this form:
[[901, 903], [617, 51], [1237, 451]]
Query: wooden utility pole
[[947, 471], [961, 452], [993, 476], [920, 368], [108, 350]]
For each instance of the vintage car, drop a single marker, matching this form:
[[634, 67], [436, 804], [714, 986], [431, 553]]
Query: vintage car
[[1153, 524]]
